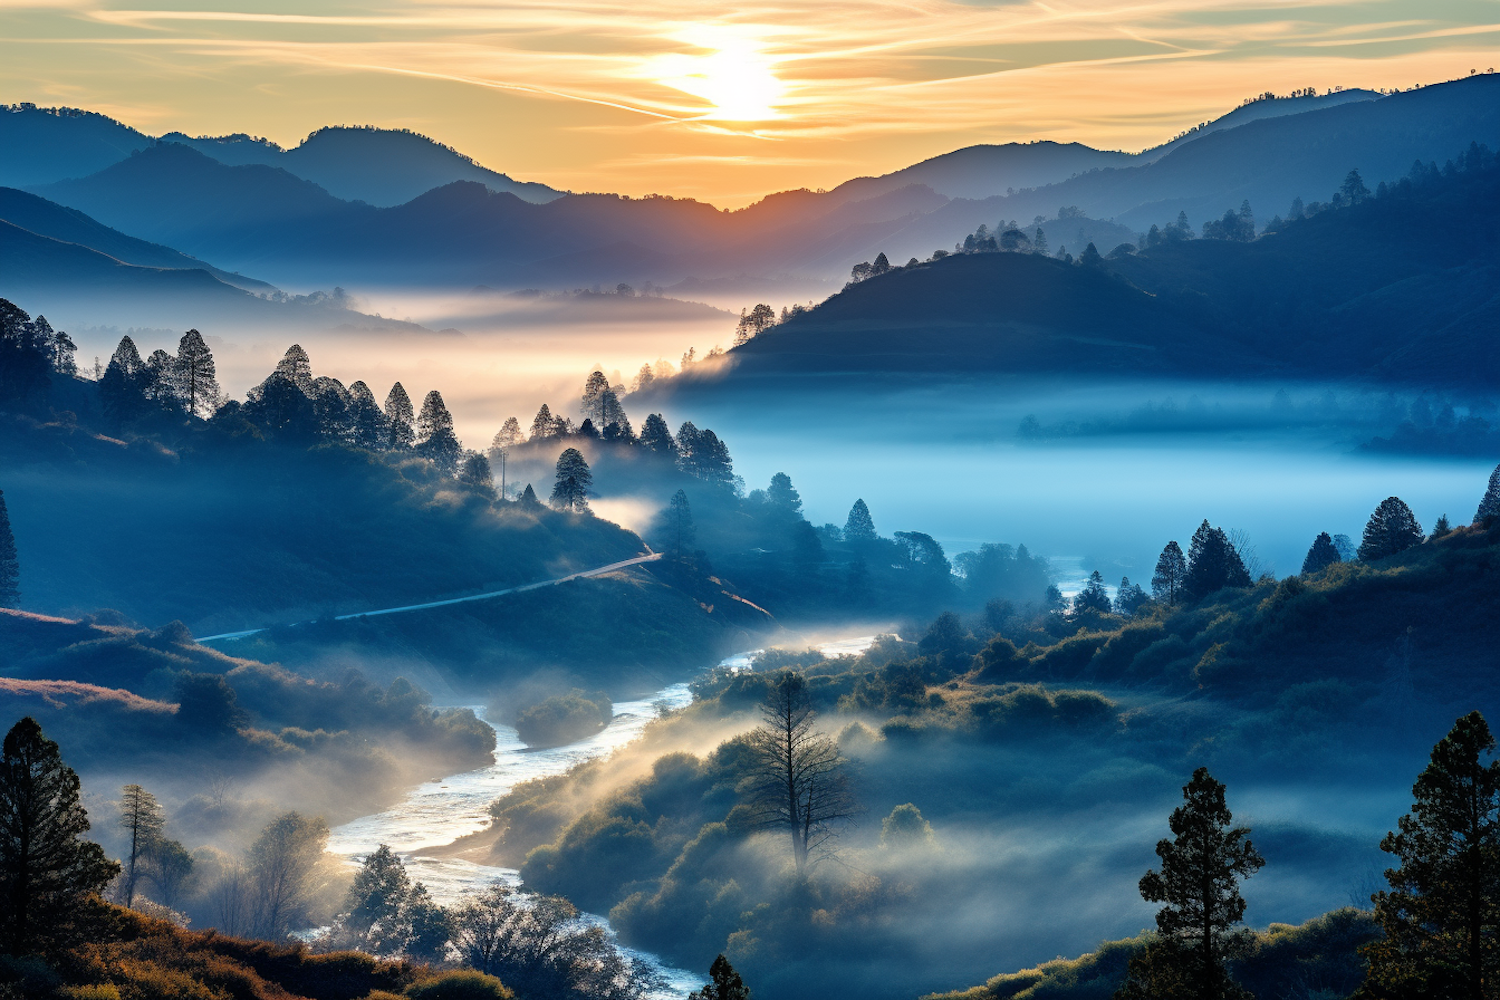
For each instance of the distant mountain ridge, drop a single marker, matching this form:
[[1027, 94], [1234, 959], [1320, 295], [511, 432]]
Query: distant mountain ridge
[[380, 166], [1341, 294], [269, 219]]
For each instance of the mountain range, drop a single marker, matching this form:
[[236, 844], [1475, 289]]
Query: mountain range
[[1401, 287]]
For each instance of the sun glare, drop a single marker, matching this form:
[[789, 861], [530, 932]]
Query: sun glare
[[734, 76]]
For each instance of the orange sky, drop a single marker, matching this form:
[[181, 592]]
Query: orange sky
[[716, 102]]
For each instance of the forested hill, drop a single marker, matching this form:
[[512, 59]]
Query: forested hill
[[1396, 285]]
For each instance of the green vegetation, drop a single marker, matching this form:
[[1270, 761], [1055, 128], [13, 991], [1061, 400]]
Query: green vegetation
[[564, 718]]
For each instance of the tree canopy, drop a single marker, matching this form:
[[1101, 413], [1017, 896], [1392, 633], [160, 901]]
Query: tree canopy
[[1392, 528]]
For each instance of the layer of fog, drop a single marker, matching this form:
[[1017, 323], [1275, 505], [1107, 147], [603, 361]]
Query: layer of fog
[[936, 455]]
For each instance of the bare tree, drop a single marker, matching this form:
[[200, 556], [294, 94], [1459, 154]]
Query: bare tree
[[141, 819], [802, 781]]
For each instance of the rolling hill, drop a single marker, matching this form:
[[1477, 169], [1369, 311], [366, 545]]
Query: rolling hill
[[1344, 293]]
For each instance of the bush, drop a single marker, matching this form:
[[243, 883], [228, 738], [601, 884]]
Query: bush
[[466, 985], [565, 718]]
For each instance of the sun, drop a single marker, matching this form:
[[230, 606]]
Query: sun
[[734, 76]]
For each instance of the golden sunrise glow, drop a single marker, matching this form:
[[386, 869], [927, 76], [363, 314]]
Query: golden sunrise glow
[[654, 96]]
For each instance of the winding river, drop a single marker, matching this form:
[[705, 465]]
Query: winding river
[[439, 812]]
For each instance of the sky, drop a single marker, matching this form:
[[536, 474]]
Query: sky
[[719, 102]]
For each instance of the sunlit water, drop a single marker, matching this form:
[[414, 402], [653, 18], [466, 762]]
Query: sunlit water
[[439, 812]]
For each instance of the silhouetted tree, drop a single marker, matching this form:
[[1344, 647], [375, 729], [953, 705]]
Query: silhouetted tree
[[1039, 243], [723, 983], [475, 473], [1093, 597], [335, 409], [1443, 904], [543, 426], [1392, 528], [680, 531], [860, 527], [399, 415], [801, 783], [571, 491], [435, 438], [1201, 868], [171, 871], [197, 386], [1321, 555], [161, 381], [283, 410], [762, 318], [1353, 189], [782, 495], [529, 498], [25, 360], [296, 367], [1171, 574], [64, 354], [1129, 597], [10, 563], [46, 869], [657, 437], [1090, 257], [588, 430], [141, 819], [1212, 563], [122, 389], [370, 428], [702, 454], [508, 436], [1489, 504], [592, 403]]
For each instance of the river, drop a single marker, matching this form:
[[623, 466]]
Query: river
[[436, 813]]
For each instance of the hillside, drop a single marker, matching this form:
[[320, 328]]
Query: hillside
[[43, 145], [383, 167], [45, 218], [1338, 294]]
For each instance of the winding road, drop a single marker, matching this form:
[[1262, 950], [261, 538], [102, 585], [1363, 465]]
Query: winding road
[[596, 571]]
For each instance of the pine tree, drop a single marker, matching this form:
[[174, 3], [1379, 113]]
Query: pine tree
[[296, 366], [197, 386], [1039, 244], [399, 415], [859, 527], [475, 473], [1171, 573], [1090, 257], [1489, 504], [1443, 903], [782, 495], [657, 437], [141, 819], [723, 983], [680, 530], [10, 564], [334, 407], [46, 869], [1212, 563], [1129, 597], [1391, 529], [1441, 527], [122, 387], [528, 497], [573, 481], [371, 428], [1201, 868], [543, 426], [434, 434], [63, 353], [592, 402], [1322, 554], [643, 379]]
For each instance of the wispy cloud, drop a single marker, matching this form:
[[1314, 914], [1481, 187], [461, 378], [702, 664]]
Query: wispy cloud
[[670, 82]]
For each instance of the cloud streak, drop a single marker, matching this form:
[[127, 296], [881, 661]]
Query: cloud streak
[[659, 81]]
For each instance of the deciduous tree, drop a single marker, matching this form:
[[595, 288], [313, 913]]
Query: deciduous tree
[[801, 781], [283, 863], [141, 820]]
